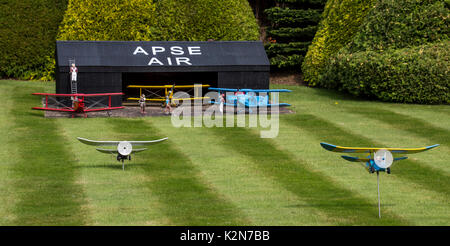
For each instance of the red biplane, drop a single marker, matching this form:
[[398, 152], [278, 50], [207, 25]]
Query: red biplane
[[77, 103]]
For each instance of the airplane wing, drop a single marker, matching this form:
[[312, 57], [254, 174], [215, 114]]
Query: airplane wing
[[222, 89], [79, 94], [165, 86], [102, 109], [146, 143], [357, 159], [266, 90], [335, 148], [98, 143], [114, 151], [55, 109]]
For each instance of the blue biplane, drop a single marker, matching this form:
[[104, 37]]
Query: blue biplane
[[247, 97]]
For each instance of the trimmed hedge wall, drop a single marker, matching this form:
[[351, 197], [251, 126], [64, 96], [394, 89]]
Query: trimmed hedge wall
[[410, 75], [341, 20], [28, 31]]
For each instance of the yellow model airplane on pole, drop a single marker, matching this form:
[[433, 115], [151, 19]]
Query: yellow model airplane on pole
[[169, 90], [379, 159]]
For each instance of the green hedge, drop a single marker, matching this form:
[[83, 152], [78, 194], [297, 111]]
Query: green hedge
[[341, 20], [108, 20], [272, 49], [419, 74], [292, 27], [292, 34], [402, 23], [304, 3], [290, 17], [192, 20], [27, 37], [200, 20]]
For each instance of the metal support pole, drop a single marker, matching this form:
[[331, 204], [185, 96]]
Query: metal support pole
[[379, 200]]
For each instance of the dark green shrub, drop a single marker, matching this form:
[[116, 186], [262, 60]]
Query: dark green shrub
[[293, 17], [27, 37], [412, 75], [304, 3], [292, 34], [272, 49], [292, 27], [341, 20]]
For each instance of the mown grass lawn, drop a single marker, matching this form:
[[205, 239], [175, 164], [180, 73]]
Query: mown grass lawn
[[223, 176]]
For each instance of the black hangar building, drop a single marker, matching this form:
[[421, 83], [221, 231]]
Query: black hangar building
[[110, 66]]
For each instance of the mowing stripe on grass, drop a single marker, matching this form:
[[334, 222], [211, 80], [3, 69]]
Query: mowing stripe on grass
[[325, 131], [237, 177], [7, 197], [312, 187], [44, 171], [404, 122], [113, 197], [187, 199]]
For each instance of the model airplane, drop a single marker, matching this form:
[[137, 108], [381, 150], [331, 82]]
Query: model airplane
[[379, 159], [248, 97], [155, 92], [123, 149], [77, 103]]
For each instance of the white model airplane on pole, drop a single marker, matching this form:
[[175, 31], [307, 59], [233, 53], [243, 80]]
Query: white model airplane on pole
[[123, 148]]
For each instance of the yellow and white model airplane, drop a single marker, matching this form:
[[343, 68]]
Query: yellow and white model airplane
[[154, 92]]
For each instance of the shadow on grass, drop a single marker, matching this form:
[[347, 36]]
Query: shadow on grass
[[114, 166], [340, 206]]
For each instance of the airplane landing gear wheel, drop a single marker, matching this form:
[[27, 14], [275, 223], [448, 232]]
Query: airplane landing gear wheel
[[388, 170]]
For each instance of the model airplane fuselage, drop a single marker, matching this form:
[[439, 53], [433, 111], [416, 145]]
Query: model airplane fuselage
[[379, 159], [123, 149]]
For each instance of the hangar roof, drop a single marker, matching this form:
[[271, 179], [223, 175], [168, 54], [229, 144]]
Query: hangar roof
[[162, 56]]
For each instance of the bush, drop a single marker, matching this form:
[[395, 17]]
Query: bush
[[293, 17], [397, 24], [108, 20], [411, 75], [401, 54], [200, 20], [304, 3], [27, 37], [272, 49], [341, 20]]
